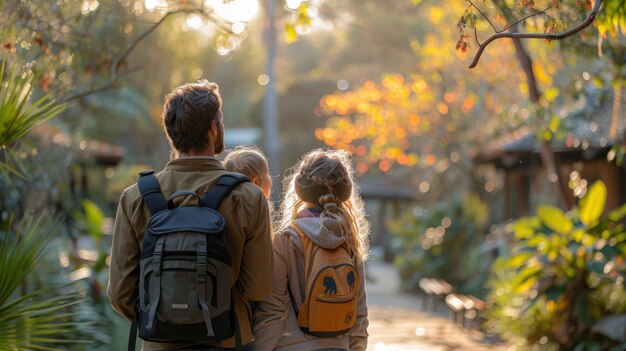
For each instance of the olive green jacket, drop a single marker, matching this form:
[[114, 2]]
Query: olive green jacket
[[248, 232]]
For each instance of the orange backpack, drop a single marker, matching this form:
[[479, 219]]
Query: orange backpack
[[332, 282]]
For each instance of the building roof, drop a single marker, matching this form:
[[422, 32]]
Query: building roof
[[103, 153], [376, 189], [593, 124]]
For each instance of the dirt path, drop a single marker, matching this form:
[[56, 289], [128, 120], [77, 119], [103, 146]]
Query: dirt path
[[397, 322]]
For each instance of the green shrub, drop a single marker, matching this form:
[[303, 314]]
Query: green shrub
[[442, 242], [565, 273]]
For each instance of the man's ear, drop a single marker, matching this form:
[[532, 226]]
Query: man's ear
[[213, 130]]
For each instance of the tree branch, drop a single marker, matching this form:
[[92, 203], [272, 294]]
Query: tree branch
[[110, 84], [524, 19], [484, 16], [107, 86], [134, 43], [116, 63], [551, 36]]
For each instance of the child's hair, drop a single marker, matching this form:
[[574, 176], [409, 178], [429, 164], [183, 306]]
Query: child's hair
[[249, 161], [325, 177]]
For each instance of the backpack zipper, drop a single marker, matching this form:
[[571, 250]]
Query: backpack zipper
[[335, 300], [190, 253]]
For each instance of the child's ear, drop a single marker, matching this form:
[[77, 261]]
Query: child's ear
[[256, 181]]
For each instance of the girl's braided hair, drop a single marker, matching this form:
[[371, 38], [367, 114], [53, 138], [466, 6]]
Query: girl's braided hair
[[325, 177]]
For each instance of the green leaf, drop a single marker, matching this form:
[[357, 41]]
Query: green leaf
[[618, 213], [33, 321], [547, 135], [525, 227], [551, 94], [519, 259], [20, 251], [578, 235], [290, 33], [526, 279], [554, 219], [555, 122], [18, 114], [303, 16], [592, 205], [90, 219], [538, 240]]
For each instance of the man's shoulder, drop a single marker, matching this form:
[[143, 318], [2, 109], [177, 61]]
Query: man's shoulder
[[247, 191], [131, 193], [244, 191]]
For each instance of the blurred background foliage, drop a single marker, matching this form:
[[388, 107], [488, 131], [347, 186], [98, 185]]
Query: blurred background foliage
[[381, 79], [442, 241], [562, 286], [37, 310]]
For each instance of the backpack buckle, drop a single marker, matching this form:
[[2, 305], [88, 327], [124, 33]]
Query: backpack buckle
[[201, 263], [158, 254], [201, 272]]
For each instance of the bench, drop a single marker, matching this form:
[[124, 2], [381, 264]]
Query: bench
[[466, 310], [434, 290]]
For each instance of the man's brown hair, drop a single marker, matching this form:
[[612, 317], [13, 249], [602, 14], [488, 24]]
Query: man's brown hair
[[187, 115]]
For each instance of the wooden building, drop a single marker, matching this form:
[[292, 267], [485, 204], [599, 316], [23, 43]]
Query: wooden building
[[582, 155]]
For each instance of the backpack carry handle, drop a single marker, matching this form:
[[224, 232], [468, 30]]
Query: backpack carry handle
[[170, 202]]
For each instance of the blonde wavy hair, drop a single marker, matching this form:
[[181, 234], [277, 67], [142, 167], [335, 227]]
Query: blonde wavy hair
[[349, 212], [250, 161]]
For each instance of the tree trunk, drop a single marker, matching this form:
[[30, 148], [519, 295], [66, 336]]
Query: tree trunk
[[271, 136], [548, 158]]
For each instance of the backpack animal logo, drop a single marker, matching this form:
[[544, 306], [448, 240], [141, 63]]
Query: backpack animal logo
[[185, 267], [332, 284]]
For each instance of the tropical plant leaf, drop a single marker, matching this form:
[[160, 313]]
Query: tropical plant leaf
[[520, 259], [526, 279], [526, 227], [90, 219], [20, 250], [33, 321], [18, 115], [539, 239], [592, 205], [554, 219], [618, 213]]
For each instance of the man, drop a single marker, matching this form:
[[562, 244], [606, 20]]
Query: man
[[193, 122]]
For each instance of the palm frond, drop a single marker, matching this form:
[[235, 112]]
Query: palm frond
[[20, 250], [18, 115], [39, 319]]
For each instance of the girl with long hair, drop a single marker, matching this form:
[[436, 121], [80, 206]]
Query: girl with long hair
[[321, 200]]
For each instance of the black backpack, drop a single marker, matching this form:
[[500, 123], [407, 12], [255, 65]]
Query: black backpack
[[185, 268]]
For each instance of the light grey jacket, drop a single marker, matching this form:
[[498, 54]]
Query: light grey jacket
[[275, 324]]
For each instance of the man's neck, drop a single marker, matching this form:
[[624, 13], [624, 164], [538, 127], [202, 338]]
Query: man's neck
[[206, 153]]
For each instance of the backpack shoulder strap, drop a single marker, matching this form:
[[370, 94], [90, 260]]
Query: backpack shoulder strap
[[293, 226], [151, 192], [225, 183], [308, 246], [303, 237]]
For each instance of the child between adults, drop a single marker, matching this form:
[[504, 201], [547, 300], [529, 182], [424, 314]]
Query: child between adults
[[251, 162], [321, 199]]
